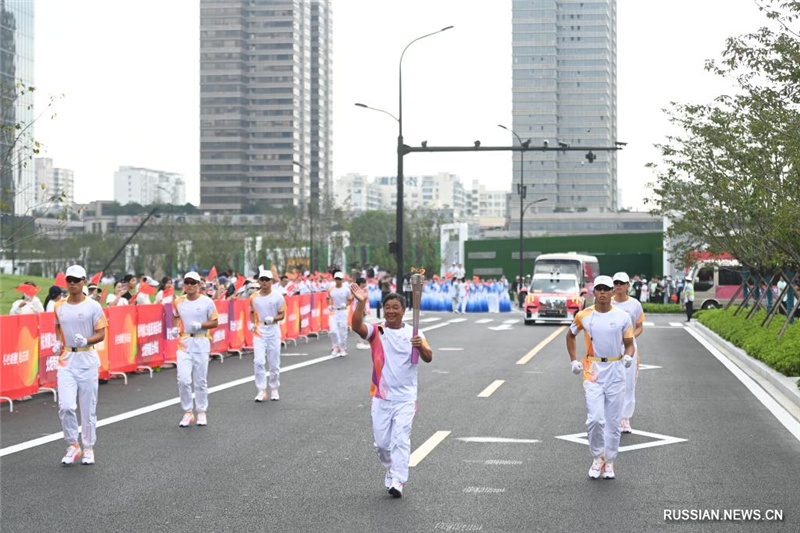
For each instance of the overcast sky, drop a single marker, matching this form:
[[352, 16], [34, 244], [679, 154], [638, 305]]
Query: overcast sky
[[129, 73]]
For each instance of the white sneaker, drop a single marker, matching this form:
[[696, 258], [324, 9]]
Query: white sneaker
[[342, 354], [72, 456], [261, 396], [187, 420], [608, 471], [625, 426], [334, 352], [202, 420], [396, 489], [274, 396], [596, 468], [387, 479], [88, 456]]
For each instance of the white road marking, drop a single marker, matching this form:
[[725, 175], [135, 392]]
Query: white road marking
[[660, 440], [512, 321], [484, 320], [457, 526], [8, 450], [437, 371], [501, 327], [457, 320], [498, 440], [427, 447], [491, 388], [539, 347], [483, 490], [430, 319], [437, 326], [449, 349], [648, 367], [648, 324], [778, 411], [676, 324], [500, 462], [292, 354]]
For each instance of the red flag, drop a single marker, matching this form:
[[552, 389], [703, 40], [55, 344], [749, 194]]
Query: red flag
[[96, 278], [103, 296], [28, 290], [61, 280], [146, 288], [239, 282], [212, 274], [167, 292]]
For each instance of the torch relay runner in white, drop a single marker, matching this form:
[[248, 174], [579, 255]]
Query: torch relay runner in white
[[267, 309], [339, 299], [609, 343], [80, 325], [394, 384], [633, 307], [196, 315]]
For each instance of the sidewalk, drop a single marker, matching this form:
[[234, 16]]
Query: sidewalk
[[782, 388]]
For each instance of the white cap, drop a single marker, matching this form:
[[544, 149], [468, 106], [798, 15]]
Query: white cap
[[688, 278], [622, 276], [603, 280], [338, 275], [192, 275], [76, 271]]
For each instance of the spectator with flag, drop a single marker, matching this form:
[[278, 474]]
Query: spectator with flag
[[28, 304], [166, 291]]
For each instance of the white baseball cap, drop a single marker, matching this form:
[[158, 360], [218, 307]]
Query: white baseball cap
[[338, 275], [76, 271], [265, 274], [622, 276], [192, 275], [603, 280]]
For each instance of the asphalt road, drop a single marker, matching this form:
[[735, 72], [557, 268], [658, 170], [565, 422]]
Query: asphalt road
[[306, 463]]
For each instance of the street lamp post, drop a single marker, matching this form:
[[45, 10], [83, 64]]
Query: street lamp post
[[310, 221], [521, 189], [401, 151]]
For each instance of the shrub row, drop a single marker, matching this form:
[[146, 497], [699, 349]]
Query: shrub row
[[781, 354], [650, 308]]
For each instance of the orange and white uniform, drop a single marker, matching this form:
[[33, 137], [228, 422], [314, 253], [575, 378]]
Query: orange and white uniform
[[604, 376], [267, 338], [633, 307], [194, 350], [77, 369]]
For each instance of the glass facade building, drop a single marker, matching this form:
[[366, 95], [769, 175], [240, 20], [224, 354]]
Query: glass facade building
[[265, 97], [17, 175], [565, 90]]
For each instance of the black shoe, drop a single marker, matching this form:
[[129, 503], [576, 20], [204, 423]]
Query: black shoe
[[395, 492]]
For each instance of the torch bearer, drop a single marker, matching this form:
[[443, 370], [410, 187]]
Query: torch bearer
[[417, 280]]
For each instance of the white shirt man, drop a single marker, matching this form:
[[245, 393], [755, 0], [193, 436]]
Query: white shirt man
[[339, 298], [267, 308], [633, 307], [196, 315], [609, 341]]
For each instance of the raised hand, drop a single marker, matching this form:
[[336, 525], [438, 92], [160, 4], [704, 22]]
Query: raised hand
[[358, 292]]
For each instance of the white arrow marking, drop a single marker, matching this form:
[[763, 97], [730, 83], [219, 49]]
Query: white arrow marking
[[484, 320], [512, 321], [661, 440], [501, 328], [498, 440]]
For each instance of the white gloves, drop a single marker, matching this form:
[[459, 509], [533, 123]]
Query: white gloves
[[251, 326], [57, 347], [194, 327], [577, 367], [268, 320], [80, 341], [627, 360]]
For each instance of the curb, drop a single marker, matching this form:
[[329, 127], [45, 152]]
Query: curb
[[786, 385]]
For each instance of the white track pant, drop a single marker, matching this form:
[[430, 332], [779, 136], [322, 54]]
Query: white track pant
[[338, 325], [193, 366], [604, 402], [391, 428], [267, 350], [78, 385], [631, 374]]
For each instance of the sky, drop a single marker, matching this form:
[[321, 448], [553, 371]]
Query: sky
[[125, 78]]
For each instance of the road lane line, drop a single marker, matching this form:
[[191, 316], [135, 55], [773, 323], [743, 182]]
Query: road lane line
[[676, 324], [427, 447], [457, 320], [783, 416], [491, 388], [541, 345], [437, 326], [22, 446]]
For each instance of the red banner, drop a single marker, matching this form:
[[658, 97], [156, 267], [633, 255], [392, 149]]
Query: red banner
[[48, 361], [305, 314], [170, 343], [121, 338], [316, 311], [19, 345], [292, 317], [239, 313], [150, 335], [219, 335], [325, 313]]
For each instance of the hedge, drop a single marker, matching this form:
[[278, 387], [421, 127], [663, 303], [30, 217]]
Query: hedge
[[651, 308], [763, 344]]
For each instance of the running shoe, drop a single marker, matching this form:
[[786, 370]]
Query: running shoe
[[342, 354], [396, 489], [202, 420], [187, 420], [261, 396], [88, 456], [597, 467], [625, 426], [334, 351], [72, 456], [274, 396], [608, 471], [387, 479]]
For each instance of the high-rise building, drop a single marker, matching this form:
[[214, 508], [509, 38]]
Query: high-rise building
[[145, 186], [565, 91], [53, 182], [17, 178], [265, 103]]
